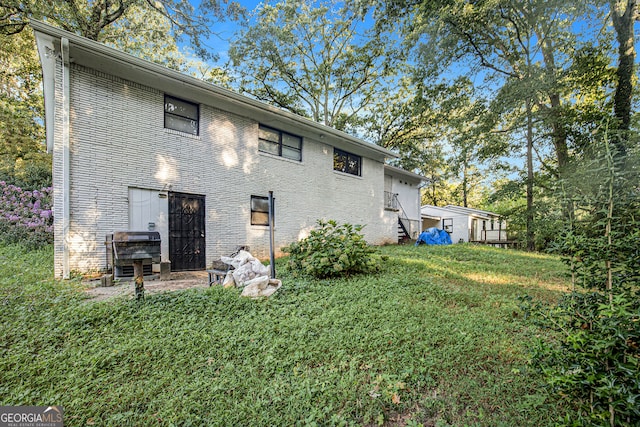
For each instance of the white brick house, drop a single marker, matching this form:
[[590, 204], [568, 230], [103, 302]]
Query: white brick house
[[131, 140]]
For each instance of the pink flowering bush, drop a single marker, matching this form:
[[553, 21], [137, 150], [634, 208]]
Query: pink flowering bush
[[26, 216]]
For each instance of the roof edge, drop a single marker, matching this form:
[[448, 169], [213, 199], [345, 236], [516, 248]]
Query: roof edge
[[404, 172], [103, 50]]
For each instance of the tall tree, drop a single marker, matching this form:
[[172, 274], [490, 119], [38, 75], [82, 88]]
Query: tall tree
[[155, 41], [22, 157], [91, 18], [503, 38], [624, 14], [442, 130], [473, 139], [315, 59], [521, 47]]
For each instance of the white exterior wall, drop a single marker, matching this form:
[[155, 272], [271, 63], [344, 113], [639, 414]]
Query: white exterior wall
[[463, 219], [57, 168], [461, 222], [118, 141], [461, 227], [408, 192], [408, 196]]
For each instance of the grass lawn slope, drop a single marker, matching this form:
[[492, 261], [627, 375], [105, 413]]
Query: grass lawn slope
[[436, 339]]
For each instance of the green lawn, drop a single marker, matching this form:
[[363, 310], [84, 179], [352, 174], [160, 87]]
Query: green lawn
[[435, 339]]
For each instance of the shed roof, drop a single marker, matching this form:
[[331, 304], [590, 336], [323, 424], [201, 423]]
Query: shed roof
[[448, 209], [472, 211]]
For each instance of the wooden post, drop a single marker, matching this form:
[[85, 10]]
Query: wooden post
[[138, 276]]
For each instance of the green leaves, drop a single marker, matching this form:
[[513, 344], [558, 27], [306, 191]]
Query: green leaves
[[595, 364], [332, 250], [593, 361], [319, 61]]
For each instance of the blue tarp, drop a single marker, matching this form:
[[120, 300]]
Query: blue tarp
[[434, 236]]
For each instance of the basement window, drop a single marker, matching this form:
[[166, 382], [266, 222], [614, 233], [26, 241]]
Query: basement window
[[260, 210], [347, 162], [181, 115]]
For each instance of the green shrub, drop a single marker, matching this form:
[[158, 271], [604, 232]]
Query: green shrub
[[593, 362], [332, 250]]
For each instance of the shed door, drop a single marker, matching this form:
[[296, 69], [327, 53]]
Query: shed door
[[186, 232], [474, 230]]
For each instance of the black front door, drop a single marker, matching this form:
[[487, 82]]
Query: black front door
[[186, 232]]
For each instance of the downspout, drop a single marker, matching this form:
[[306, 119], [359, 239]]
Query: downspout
[[66, 215], [271, 236]]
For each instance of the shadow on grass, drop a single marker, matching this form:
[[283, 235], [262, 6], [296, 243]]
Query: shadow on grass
[[431, 339]]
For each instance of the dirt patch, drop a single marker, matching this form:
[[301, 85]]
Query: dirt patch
[[152, 285]]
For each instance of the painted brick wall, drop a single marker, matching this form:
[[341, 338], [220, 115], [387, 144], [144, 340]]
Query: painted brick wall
[[118, 141]]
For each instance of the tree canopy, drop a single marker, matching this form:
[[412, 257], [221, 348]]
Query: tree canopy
[[318, 60], [463, 91], [94, 19]]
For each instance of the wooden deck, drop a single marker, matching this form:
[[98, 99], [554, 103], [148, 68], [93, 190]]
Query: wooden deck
[[497, 243]]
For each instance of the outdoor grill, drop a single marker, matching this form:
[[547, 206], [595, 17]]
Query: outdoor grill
[[124, 248]]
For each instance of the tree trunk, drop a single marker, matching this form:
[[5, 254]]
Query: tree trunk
[[465, 184], [559, 134], [623, 14], [530, 234], [554, 114]]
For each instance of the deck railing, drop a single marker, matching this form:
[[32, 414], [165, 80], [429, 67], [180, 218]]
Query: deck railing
[[493, 235]]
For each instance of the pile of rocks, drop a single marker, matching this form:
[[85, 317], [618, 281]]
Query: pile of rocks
[[251, 275]]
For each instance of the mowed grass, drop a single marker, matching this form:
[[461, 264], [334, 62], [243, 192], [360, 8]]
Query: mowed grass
[[436, 339]]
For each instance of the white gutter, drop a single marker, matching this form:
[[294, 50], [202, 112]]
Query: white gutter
[[50, 52], [48, 63], [66, 172]]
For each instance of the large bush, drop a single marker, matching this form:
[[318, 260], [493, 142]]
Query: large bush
[[593, 363], [332, 250], [26, 217]]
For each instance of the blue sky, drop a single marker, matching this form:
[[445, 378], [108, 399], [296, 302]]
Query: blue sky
[[224, 31]]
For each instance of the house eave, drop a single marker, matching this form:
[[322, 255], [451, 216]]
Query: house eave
[[393, 170]]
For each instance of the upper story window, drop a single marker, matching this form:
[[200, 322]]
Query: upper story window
[[347, 162], [280, 143], [181, 115]]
